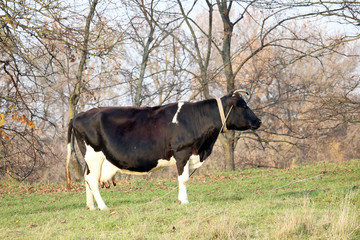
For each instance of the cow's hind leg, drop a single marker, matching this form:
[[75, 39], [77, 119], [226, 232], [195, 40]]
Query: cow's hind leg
[[89, 197], [94, 161]]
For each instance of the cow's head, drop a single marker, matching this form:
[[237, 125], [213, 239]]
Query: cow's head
[[241, 116]]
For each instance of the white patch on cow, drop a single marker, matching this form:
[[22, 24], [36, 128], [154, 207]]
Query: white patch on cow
[[183, 179], [108, 171], [195, 162], [174, 120], [164, 163], [94, 161]]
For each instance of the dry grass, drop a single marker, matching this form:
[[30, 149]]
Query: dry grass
[[345, 221], [305, 221]]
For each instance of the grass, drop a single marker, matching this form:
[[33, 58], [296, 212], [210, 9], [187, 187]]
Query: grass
[[247, 204]]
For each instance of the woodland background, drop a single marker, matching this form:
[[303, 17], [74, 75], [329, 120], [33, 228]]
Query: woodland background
[[299, 61]]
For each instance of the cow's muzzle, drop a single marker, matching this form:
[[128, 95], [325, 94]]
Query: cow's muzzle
[[256, 124]]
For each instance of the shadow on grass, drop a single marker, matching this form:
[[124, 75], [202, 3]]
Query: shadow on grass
[[298, 194], [47, 209], [317, 192], [171, 199]]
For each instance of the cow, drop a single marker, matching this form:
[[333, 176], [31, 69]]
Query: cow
[[139, 140]]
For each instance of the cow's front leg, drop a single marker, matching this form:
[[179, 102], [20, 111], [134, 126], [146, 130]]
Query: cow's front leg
[[183, 180]]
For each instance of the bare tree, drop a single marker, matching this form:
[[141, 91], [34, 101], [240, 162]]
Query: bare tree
[[23, 67], [148, 31], [40, 45], [75, 96]]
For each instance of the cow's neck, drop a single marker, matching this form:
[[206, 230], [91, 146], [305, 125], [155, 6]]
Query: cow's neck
[[211, 122]]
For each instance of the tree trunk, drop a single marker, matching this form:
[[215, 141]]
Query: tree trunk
[[228, 144], [227, 140], [144, 62], [75, 96]]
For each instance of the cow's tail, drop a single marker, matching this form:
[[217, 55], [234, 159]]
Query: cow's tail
[[68, 157]]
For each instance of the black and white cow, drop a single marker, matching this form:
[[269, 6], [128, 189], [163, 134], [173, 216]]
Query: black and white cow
[[135, 140]]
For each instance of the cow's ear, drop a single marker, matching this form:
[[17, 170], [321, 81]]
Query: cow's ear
[[232, 100], [236, 100]]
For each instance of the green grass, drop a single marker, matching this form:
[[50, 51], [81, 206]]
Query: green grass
[[234, 205]]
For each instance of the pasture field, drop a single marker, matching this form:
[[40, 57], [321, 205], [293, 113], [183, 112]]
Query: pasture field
[[244, 204]]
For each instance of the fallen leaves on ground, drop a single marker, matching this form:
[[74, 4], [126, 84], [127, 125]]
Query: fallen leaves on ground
[[39, 188]]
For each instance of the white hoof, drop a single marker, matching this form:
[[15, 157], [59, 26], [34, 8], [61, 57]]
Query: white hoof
[[104, 208], [184, 201]]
